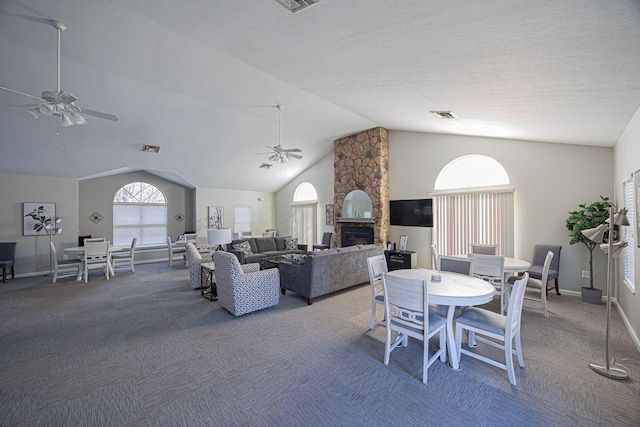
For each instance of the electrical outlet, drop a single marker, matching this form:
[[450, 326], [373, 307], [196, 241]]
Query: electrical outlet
[[585, 274]]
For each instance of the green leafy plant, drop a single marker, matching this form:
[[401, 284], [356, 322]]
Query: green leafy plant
[[588, 216]]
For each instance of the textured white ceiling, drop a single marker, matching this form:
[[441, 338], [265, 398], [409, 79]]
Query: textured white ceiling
[[200, 79]]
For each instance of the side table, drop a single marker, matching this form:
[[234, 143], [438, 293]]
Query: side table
[[207, 270]]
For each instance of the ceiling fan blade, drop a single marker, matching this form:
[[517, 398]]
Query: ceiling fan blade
[[99, 114], [262, 154], [23, 105], [23, 94], [295, 156], [292, 150]]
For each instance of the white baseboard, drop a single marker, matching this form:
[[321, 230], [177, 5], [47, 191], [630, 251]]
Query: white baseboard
[[633, 334]]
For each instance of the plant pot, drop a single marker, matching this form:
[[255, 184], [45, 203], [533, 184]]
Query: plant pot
[[592, 296]]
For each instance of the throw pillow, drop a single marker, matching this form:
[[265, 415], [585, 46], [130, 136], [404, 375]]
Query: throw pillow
[[290, 243], [244, 247]]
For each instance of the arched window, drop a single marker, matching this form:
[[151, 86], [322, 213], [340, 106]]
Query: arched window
[[139, 210], [304, 213], [472, 204]]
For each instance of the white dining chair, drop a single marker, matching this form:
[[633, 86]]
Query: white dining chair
[[480, 323], [456, 265], [376, 265], [434, 257], [96, 255], [175, 250], [476, 248], [538, 287], [406, 303], [125, 259], [65, 267], [491, 269], [94, 239]]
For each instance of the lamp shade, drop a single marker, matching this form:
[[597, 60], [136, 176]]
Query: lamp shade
[[617, 248], [218, 236], [596, 234], [620, 217]]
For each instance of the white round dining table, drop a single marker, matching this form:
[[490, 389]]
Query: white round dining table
[[453, 290]]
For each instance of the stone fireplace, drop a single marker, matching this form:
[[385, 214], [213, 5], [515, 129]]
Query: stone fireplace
[[362, 163]]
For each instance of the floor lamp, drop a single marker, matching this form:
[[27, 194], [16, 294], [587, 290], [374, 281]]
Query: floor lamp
[[51, 229], [613, 250]]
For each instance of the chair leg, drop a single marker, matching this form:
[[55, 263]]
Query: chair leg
[[519, 350], [4, 274], [443, 345], [13, 274], [373, 313], [557, 287], [508, 354]]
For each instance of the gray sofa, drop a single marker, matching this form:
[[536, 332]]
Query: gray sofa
[[262, 247], [328, 271]]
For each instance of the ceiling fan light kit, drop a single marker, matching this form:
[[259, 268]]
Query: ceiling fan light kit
[[295, 6], [60, 103]]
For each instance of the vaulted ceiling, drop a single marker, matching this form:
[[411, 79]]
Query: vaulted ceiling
[[200, 79]]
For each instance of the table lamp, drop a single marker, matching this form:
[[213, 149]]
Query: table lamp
[[218, 237]]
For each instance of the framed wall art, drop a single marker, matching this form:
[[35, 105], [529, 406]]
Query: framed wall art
[[328, 209], [36, 216], [403, 243], [216, 217]]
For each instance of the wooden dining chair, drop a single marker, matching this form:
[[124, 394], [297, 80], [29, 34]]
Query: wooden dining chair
[[456, 265], [406, 303], [538, 287], [434, 257], [65, 267], [125, 258], [480, 323], [376, 265]]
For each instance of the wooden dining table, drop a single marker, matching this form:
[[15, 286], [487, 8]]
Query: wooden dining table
[[453, 290]]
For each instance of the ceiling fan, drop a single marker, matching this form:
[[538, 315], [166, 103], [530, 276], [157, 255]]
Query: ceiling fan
[[278, 153], [60, 103]]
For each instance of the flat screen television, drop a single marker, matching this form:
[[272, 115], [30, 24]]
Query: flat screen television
[[415, 213]]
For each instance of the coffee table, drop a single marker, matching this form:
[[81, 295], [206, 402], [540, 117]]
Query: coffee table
[[274, 261]]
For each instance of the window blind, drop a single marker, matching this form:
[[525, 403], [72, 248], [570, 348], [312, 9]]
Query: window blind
[[628, 234]]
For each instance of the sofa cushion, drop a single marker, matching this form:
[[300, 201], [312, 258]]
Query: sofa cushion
[[290, 243], [265, 244], [279, 243], [244, 247]]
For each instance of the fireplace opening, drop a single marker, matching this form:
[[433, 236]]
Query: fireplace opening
[[356, 236]]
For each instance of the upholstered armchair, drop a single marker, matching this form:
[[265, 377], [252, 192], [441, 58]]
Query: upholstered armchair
[[194, 260], [244, 288]]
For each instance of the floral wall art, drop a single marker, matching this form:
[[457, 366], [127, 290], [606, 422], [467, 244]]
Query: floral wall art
[[36, 216], [216, 217]]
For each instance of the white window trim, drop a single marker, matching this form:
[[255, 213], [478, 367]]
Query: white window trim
[[634, 217]]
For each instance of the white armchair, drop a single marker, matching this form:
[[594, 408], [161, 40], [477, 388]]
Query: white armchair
[[244, 288], [194, 261]]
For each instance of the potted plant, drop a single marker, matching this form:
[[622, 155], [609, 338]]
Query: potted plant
[[588, 216]]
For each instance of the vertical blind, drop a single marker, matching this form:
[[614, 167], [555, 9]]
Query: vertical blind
[[479, 217], [304, 218], [628, 235], [241, 219]]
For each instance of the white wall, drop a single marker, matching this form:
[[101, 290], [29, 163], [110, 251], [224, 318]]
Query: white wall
[[32, 252], [626, 161], [550, 180], [262, 212], [321, 176]]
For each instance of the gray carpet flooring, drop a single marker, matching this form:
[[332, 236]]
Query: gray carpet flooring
[[144, 349]]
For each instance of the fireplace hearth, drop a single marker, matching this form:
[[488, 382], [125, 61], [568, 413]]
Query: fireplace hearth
[[356, 236]]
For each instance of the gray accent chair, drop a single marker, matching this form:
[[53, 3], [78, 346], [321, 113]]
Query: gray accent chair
[[244, 288], [537, 264], [326, 242], [7, 258]]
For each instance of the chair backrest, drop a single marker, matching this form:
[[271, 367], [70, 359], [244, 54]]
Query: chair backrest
[[81, 239], [377, 265], [95, 251], [540, 254], [228, 267], [476, 248], [514, 312], [169, 243], [201, 242], [235, 236], [488, 267], [8, 251], [545, 269], [406, 301], [456, 265], [269, 234], [326, 238], [191, 237], [434, 257], [94, 239], [134, 242], [246, 233]]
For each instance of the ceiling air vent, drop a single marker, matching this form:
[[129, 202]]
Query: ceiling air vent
[[265, 166], [444, 114], [295, 6], [150, 148]]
